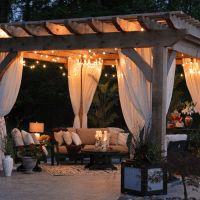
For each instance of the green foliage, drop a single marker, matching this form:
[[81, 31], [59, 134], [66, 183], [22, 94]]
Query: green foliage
[[6, 145], [105, 111], [32, 150], [145, 152]]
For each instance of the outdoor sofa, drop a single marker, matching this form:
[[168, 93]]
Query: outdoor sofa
[[117, 142]]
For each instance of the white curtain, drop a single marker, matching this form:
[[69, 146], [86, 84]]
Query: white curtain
[[74, 82], [192, 77], [170, 84], [91, 73], [135, 92], [9, 89]]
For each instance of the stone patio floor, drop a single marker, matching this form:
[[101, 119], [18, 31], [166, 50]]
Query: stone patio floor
[[42, 186]]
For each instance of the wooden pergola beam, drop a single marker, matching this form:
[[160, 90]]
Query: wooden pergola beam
[[87, 41], [139, 61], [4, 65], [188, 48], [159, 87]]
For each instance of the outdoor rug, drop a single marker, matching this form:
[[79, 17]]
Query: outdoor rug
[[72, 170]]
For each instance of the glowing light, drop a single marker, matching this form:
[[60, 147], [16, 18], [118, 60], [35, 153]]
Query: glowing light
[[104, 53], [44, 66], [35, 51], [106, 75], [52, 51], [113, 66], [94, 54], [61, 67], [46, 56], [113, 75], [37, 62], [63, 74], [142, 29], [89, 50], [181, 75], [115, 49], [182, 55]]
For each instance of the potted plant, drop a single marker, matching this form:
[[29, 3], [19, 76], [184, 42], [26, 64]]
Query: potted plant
[[7, 149], [145, 174], [29, 155]]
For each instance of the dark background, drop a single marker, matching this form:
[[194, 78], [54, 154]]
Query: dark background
[[44, 94]]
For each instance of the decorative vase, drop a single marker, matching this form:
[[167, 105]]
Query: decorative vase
[[28, 164], [188, 121], [7, 165]]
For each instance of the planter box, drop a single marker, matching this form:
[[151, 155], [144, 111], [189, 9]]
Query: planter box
[[145, 181]]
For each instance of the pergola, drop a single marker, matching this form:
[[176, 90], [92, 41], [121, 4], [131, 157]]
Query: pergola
[[170, 34]]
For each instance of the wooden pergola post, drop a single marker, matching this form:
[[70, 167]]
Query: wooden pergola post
[[159, 96]]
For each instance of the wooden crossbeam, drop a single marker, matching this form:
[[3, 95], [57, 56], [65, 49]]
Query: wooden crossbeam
[[4, 65], [139, 61], [150, 24], [57, 29], [170, 60], [91, 41], [187, 48]]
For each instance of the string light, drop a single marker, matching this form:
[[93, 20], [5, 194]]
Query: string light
[[37, 62], [113, 75], [181, 75], [35, 51], [89, 50], [115, 49], [63, 74], [61, 67], [52, 51], [142, 29], [113, 66], [104, 53], [106, 75], [44, 66]]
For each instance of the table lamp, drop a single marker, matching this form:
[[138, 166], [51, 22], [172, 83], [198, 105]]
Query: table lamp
[[37, 128]]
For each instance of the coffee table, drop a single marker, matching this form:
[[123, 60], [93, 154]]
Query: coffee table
[[100, 160]]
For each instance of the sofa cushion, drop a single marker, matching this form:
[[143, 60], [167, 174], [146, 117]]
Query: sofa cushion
[[67, 137], [76, 139], [59, 137], [88, 147], [17, 136], [120, 148], [87, 135], [115, 129], [71, 129], [62, 149], [27, 138], [113, 138]]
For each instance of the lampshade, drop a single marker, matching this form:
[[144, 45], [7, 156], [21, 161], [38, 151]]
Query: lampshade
[[36, 127]]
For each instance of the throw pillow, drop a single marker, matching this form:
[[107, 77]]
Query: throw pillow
[[27, 138], [59, 137], [76, 139], [17, 136], [36, 141], [122, 138], [67, 137]]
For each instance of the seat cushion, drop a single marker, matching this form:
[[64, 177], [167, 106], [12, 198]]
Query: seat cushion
[[122, 138], [88, 147], [62, 149], [120, 148]]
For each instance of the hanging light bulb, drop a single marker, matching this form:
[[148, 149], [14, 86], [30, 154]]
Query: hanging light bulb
[[44, 66], [63, 74]]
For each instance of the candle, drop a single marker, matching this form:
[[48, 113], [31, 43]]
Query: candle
[[37, 135]]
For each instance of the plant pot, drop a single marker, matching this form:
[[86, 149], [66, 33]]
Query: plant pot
[[7, 165], [151, 180], [28, 164]]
